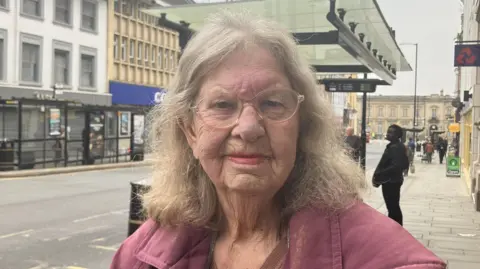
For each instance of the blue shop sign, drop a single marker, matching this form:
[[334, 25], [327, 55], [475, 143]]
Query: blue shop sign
[[131, 94]]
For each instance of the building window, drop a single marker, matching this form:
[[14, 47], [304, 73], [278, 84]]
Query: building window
[[61, 67], [62, 63], [4, 4], [88, 58], [405, 112], [380, 128], [31, 59], [165, 58], [417, 112], [147, 56], [32, 8], [139, 54], [116, 6], [393, 112], [115, 47], [449, 112], [63, 13], [132, 51], [172, 60], [124, 48], [126, 8], [380, 112], [154, 55], [434, 112], [160, 58], [89, 15], [3, 54]]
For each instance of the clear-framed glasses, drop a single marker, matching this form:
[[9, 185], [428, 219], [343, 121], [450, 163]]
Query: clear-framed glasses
[[222, 109]]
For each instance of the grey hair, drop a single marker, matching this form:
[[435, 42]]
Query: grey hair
[[181, 192]]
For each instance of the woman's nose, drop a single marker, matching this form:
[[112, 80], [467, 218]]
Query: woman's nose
[[249, 126]]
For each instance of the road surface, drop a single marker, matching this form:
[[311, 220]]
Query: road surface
[[73, 221]]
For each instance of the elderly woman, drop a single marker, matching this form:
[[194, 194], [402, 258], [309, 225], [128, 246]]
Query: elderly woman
[[250, 172]]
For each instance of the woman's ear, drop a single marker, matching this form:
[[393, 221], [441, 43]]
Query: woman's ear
[[190, 135]]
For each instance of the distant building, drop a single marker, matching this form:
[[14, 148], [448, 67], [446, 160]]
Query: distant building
[[48, 42], [45, 42], [142, 56], [384, 110]]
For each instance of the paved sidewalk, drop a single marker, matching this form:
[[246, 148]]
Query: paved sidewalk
[[439, 212]]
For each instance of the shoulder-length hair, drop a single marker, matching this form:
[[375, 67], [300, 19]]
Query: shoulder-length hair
[[181, 192]]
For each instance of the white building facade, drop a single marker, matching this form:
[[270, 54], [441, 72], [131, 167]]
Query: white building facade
[[48, 42], [469, 81]]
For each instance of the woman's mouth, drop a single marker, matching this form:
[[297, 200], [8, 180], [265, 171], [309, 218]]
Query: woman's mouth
[[247, 159]]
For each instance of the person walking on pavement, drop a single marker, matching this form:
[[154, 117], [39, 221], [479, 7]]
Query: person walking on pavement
[[410, 149], [429, 149], [354, 144], [442, 148], [389, 172]]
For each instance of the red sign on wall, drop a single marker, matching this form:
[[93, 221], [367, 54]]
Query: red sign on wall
[[467, 55]]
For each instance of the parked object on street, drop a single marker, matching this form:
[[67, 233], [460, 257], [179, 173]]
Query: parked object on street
[[6, 156], [137, 216]]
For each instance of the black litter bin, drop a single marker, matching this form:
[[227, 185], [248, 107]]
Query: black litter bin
[[137, 154], [137, 213], [28, 160], [6, 156]]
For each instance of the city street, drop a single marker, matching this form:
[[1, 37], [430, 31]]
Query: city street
[[64, 221], [77, 221]]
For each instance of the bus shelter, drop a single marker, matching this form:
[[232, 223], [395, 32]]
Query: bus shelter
[[47, 133]]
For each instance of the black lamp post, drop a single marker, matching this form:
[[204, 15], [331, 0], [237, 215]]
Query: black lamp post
[[415, 88]]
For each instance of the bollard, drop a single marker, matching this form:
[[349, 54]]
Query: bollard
[[6, 156], [137, 214]]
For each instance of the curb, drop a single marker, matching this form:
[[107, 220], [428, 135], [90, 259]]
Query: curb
[[73, 169]]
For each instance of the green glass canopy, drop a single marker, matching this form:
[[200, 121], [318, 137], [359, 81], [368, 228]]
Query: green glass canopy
[[338, 49]]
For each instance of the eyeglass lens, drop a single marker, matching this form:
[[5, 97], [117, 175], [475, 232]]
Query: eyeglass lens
[[222, 108]]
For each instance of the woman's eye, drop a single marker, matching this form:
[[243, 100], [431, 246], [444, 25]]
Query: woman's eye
[[272, 103], [223, 105]]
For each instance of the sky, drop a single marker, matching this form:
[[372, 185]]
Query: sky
[[433, 24]]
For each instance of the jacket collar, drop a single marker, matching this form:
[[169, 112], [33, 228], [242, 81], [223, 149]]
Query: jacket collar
[[188, 247], [167, 248]]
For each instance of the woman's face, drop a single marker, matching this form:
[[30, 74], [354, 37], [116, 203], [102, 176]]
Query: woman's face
[[252, 155]]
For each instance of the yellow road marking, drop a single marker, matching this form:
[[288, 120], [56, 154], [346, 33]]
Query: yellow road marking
[[98, 240], [109, 248], [15, 234]]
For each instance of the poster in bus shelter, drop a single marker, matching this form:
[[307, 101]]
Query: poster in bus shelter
[[97, 133], [54, 122]]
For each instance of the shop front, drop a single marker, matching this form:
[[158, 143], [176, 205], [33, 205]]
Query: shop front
[[133, 126]]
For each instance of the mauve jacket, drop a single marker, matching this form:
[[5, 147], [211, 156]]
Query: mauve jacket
[[357, 237]]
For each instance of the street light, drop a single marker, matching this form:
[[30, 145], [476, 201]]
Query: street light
[[415, 91]]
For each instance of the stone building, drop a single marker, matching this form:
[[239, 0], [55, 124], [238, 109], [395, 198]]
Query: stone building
[[433, 111]]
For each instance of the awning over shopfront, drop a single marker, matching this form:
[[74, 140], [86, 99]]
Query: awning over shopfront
[[337, 36]]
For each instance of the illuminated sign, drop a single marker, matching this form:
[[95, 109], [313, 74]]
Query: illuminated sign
[[467, 55]]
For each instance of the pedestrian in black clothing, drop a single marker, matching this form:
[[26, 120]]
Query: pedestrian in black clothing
[[442, 146], [389, 172]]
